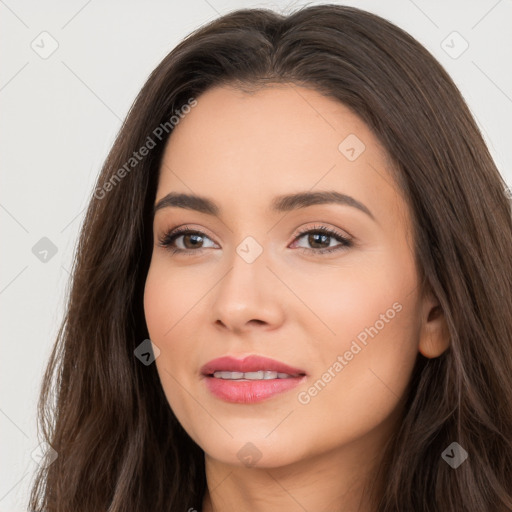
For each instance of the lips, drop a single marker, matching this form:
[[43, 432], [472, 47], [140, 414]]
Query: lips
[[249, 364], [238, 380]]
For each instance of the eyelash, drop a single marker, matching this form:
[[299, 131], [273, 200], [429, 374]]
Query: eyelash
[[170, 236]]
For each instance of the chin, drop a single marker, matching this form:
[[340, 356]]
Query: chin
[[252, 450]]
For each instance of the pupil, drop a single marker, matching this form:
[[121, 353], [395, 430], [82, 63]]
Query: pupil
[[317, 235], [194, 244]]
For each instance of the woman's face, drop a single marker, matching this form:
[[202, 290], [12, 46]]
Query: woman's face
[[252, 283]]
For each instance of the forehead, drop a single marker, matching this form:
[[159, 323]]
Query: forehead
[[246, 148]]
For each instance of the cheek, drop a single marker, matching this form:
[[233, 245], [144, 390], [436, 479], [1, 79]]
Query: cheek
[[156, 302], [361, 385], [168, 309], [366, 360], [358, 298], [167, 299]]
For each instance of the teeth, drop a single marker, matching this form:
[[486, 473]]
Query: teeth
[[260, 375], [229, 375]]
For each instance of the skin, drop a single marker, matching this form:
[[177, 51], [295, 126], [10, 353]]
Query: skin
[[241, 150]]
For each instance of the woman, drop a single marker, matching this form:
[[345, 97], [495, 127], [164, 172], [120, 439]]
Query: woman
[[215, 357]]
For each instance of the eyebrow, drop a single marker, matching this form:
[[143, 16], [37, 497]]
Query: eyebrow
[[284, 203]]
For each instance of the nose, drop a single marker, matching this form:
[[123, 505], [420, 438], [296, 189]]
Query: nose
[[248, 296]]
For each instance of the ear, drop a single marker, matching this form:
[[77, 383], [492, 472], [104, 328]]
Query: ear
[[434, 334]]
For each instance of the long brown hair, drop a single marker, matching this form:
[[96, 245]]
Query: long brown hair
[[119, 445]]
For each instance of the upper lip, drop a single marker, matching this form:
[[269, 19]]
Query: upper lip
[[252, 363]]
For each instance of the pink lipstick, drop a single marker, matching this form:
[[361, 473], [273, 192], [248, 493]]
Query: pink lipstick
[[249, 380]]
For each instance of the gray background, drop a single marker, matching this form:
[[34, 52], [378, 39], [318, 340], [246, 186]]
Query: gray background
[[60, 115]]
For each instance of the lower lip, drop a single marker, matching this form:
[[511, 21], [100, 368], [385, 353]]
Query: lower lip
[[250, 391]]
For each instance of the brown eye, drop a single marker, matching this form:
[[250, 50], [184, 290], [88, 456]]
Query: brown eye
[[320, 237], [192, 240]]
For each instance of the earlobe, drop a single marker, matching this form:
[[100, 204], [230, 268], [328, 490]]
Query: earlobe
[[434, 335]]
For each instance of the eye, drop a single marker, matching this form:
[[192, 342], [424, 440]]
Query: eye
[[191, 237], [192, 240], [321, 235]]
